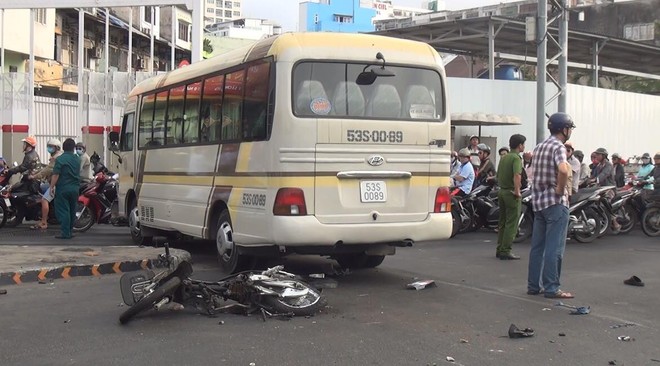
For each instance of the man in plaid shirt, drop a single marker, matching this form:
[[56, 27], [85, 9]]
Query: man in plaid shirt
[[550, 203]]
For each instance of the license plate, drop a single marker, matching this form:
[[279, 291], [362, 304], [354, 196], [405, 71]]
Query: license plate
[[373, 191], [7, 202]]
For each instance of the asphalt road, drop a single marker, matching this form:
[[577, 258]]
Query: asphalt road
[[371, 318]]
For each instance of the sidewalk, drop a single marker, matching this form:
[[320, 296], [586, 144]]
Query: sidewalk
[[20, 264]]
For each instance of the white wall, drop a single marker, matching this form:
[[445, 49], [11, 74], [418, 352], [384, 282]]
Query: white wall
[[16, 33], [627, 123]]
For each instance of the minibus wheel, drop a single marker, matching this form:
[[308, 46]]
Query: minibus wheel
[[229, 258]]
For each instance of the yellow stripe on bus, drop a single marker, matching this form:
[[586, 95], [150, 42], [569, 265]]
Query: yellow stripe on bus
[[273, 182], [243, 160]]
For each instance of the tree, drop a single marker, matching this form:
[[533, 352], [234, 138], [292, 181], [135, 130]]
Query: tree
[[207, 48]]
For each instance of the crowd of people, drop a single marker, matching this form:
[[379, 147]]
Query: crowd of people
[[68, 166], [553, 171]]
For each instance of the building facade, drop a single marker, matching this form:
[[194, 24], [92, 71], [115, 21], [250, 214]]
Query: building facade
[[244, 28], [219, 11], [348, 16]]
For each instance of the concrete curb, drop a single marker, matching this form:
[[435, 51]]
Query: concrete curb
[[68, 271]]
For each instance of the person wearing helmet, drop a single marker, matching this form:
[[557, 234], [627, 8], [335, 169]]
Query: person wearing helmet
[[550, 170], [486, 172], [3, 164], [656, 174], [619, 173], [30, 159], [54, 147], [509, 177], [603, 173], [503, 151], [86, 173], [464, 178], [474, 151], [645, 175]]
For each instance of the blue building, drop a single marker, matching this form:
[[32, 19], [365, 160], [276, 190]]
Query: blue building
[[348, 16]]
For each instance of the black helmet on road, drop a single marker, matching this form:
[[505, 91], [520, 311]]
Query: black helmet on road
[[559, 121]]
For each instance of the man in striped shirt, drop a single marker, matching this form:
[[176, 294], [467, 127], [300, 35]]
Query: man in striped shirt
[[550, 203]]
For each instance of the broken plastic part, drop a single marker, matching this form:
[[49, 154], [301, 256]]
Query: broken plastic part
[[419, 285], [515, 332]]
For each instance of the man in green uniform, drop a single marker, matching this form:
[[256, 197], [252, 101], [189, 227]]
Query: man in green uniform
[[509, 178], [65, 185]]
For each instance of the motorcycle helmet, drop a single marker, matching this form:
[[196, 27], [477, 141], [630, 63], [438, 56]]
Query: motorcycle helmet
[[601, 151], [559, 121], [656, 156], [578, 154], [616, 156], [30, 140], [504, 148], [54, 142], [483, 147], [464, 152], [646, 156]]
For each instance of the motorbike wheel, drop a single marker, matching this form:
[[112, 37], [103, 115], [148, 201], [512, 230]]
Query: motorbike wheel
[[594, 232], [604, 220], [3, 215], [148, 301], [305, 305], [524, 229], [627, 213], [16, 219], [134, 225], [651, 221], [229, 258], [455, 222], [85, 218]]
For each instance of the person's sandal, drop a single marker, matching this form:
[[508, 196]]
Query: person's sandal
[[559, 295], [39, 227]]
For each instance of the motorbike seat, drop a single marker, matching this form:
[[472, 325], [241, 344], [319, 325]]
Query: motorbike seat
[[581, 195]]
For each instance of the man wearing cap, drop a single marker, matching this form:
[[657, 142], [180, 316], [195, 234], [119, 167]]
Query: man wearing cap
[[464, 178], [603, 172], [86, 173], [65, 184], [619, 173], [585, 172], [486, 173], [474, 151]]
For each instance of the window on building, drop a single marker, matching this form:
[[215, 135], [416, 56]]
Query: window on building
[[237, 13], [210, 1], [184, 31], [218, 11], [237, 4], [227, 13], [228, 4], [343, 19], [219, 20], [218, 3], [40, 16], [210, 10], [147, 14]]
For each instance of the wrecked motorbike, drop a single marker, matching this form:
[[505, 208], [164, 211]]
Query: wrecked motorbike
[[273, 292]]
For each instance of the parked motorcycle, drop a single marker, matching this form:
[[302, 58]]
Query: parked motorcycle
[[584, 221], [22, 201], [4, 200], [95, 202], [273, 291], [463, 210]]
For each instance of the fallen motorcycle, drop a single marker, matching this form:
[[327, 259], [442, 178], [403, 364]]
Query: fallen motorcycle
[[273, 291]]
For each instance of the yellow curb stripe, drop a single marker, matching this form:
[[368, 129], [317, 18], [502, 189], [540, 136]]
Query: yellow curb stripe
[[65, 272]]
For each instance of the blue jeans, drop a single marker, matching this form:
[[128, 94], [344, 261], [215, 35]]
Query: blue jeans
[[548, 244]]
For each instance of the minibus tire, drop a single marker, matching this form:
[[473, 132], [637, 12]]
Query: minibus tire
[[229, 258]]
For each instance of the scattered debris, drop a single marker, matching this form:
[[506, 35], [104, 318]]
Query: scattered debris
[[625, 338], [450, 359], [253, 364], [316, 275], [420, 285], [515, 332], [497, 350], [42, 282], [622, 325], [463, 340], [91, 254], [655, 360], [546, 309], [67, 321], [634, 281], [613, 362], [577, 310], [121, 304], [221, 322], [3, 291], [562, 334]]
